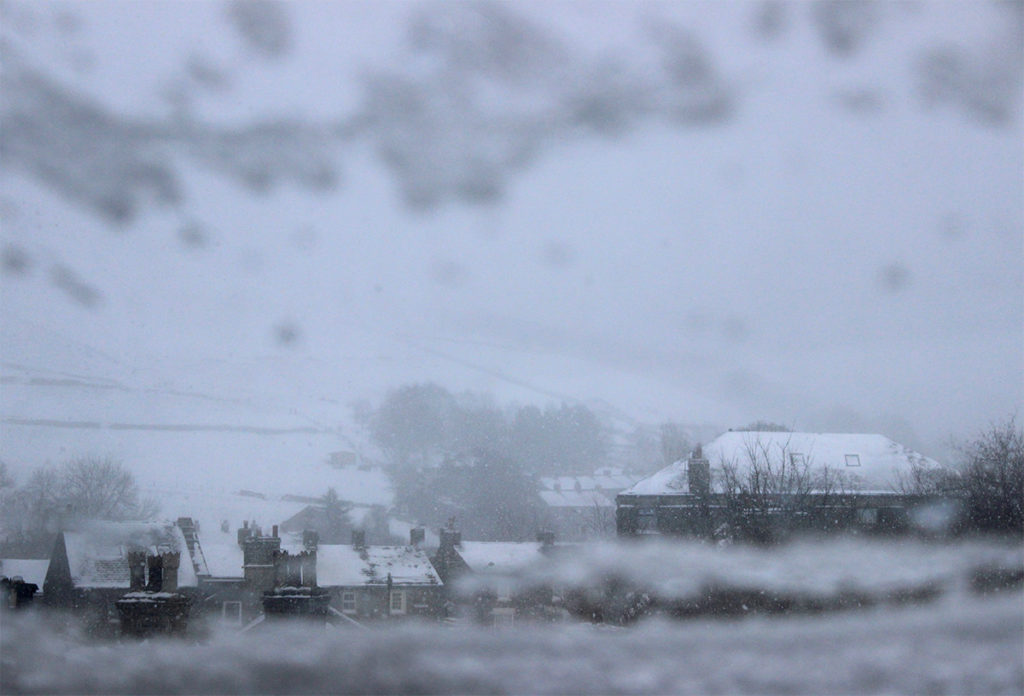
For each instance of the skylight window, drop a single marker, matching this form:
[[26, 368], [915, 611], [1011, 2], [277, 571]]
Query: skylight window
[[853, 460], [797, 459]]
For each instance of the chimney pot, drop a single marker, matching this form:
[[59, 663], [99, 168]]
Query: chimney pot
[[171, 562], [156, 573], [698, 475], [137, 571]]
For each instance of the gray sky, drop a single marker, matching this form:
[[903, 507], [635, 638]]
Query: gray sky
[[709, 213]]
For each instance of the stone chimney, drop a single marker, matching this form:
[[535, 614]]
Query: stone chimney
[[417, 535], [136, 571], [698, 473], [359, 538], [258, 561], [308, 561], [446, 561], [297, 570], [287, 570], [245, 532], [171, 563], [156, 573], [450, 539]]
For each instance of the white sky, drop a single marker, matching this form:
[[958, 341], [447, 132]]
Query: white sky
[[717, 273]]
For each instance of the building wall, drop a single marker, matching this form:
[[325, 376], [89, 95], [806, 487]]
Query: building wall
[[372, 602], [704, 517]]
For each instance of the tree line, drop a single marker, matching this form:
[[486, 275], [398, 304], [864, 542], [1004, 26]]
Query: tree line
[[54, 497], [463, 456]]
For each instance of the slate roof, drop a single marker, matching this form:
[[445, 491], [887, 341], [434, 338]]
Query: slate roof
[[98, 551], [868, 463]]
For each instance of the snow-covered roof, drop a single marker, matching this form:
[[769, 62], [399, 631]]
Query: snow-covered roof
[[604, 480], [341, 564], [670, 480], [98, 551], [575, 499], [344, 565], [501, 557], [224, 559], [209, 510], [31, 570], [867, 463]]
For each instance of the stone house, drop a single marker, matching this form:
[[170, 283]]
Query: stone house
[[767, 484], [374, 583], [581, 508]]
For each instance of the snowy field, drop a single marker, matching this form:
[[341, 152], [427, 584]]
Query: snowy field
[[959, 646]]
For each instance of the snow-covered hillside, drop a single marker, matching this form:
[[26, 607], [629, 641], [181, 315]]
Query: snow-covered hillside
[[214, 240]]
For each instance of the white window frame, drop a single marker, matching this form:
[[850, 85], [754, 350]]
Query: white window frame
[[235, 615], [400, 596], [853, 460], [348, 602]]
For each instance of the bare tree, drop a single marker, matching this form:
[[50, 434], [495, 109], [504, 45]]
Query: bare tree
[[773, 490], [598, 521], [83, 488], [675, 444], [992, 478], [101, 488], [924, 480]]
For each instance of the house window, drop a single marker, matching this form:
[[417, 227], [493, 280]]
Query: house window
[[647, 519], [348, 602], [231, 612], [503, 618], [868, 516], [398, 601], [797, 459], [853, 460]]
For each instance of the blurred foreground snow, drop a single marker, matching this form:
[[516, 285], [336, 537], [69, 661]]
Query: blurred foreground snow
[[959, 646], [963, 638]]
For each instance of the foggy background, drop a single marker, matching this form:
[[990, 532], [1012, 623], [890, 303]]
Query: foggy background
[[254, 215]]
